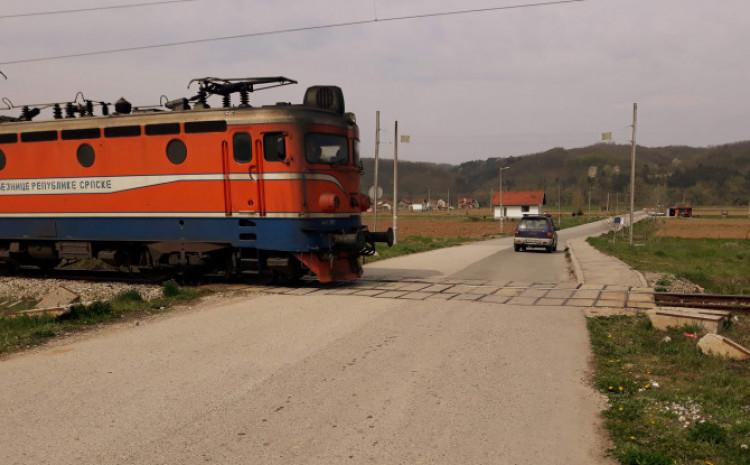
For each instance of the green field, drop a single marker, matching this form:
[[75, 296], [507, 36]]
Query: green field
[[668, 403], [718, 265], [417, 244]]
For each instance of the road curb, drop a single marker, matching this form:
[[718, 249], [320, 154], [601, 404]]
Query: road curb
[[577, 270], [641, 277]]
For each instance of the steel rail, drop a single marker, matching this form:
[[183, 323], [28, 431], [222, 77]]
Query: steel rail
[[711, 301]]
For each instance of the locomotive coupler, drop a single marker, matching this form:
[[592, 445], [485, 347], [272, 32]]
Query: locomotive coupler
[[363, 239]]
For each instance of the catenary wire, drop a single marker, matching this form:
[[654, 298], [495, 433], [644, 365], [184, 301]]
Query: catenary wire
[[96, 8], [288, 31]]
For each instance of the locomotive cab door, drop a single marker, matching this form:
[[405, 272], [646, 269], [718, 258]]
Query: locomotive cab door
[[242, 166]]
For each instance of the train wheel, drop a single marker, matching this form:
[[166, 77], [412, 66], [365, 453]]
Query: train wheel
[[289, 275]]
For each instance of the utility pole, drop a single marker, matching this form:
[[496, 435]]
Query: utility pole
[[377, 159], [607, 203], [559, 203], [617, 203], [502, 212], [395, 185], [632, 173], [502, 209]]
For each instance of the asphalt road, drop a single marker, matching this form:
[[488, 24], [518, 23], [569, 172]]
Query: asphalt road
[[318, 379], [493, 260]]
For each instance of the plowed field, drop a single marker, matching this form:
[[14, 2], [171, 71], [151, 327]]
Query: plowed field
[[733, 228], [444, 227]]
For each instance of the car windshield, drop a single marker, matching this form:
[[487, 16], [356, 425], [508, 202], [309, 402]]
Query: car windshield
[[533, 225], [326, 148]]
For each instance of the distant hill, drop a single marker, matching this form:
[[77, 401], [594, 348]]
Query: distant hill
[[717, 175]]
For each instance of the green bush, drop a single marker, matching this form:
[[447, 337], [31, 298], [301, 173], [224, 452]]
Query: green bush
[[94, 311], [708, 432], [131, 295], [171, 288], [635, 456]]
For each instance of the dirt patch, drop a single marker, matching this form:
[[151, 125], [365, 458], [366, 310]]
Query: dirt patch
[[666, 282], [446, 227], [705, 228]]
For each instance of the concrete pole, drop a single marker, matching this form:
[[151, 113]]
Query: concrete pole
[[377, 159], [395, 185], [492, 199], [502, 210], [632, 173], [559, 204], [607, 203]]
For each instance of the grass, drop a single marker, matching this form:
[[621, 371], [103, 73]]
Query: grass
[[16, 306], [719, 265], [27, 331], [416, 244], [697, 413]]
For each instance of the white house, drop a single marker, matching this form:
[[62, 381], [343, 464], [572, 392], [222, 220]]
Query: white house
[[517, 204]]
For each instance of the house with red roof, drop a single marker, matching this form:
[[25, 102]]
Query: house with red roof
[[517, 204]]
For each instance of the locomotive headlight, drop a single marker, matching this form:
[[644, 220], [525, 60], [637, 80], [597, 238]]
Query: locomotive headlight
[[330, 202]]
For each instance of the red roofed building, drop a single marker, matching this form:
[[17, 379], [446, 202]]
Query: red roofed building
[[517, 204]]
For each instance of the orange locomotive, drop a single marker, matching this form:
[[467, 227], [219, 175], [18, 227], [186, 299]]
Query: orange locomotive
[[241, 190]]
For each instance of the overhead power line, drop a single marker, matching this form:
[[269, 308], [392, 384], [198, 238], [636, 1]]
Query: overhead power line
[[288, 31], [96, 8]]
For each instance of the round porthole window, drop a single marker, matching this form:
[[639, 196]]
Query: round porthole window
[[2, 160], [86, 155], [176, 151]]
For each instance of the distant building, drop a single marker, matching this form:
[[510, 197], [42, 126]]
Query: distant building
[[517, 204], [681, 209], [467, 203]]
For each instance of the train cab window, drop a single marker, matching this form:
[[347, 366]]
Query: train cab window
[[274, 147], [355, 152], [243, 147], [176, 151], [86, 155], [326, 148], [2, 160]]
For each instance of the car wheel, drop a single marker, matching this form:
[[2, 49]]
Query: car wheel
[[517, 248]]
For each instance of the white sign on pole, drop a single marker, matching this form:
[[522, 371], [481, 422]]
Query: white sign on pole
[[372, 191]]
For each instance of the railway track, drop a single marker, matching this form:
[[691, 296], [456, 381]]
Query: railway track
[[712, 301]]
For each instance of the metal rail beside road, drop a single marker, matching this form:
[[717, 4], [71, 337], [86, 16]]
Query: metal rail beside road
[[711, 301]]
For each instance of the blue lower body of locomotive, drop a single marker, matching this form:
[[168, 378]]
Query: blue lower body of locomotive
[[277, 234]]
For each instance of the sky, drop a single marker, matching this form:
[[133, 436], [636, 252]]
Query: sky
[[463, 87]]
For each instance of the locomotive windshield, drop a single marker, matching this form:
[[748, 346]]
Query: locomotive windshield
[[326, 148]]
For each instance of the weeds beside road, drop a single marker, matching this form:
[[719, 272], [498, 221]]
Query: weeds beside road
[[668, 403], [720, 266], [26, 331]]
